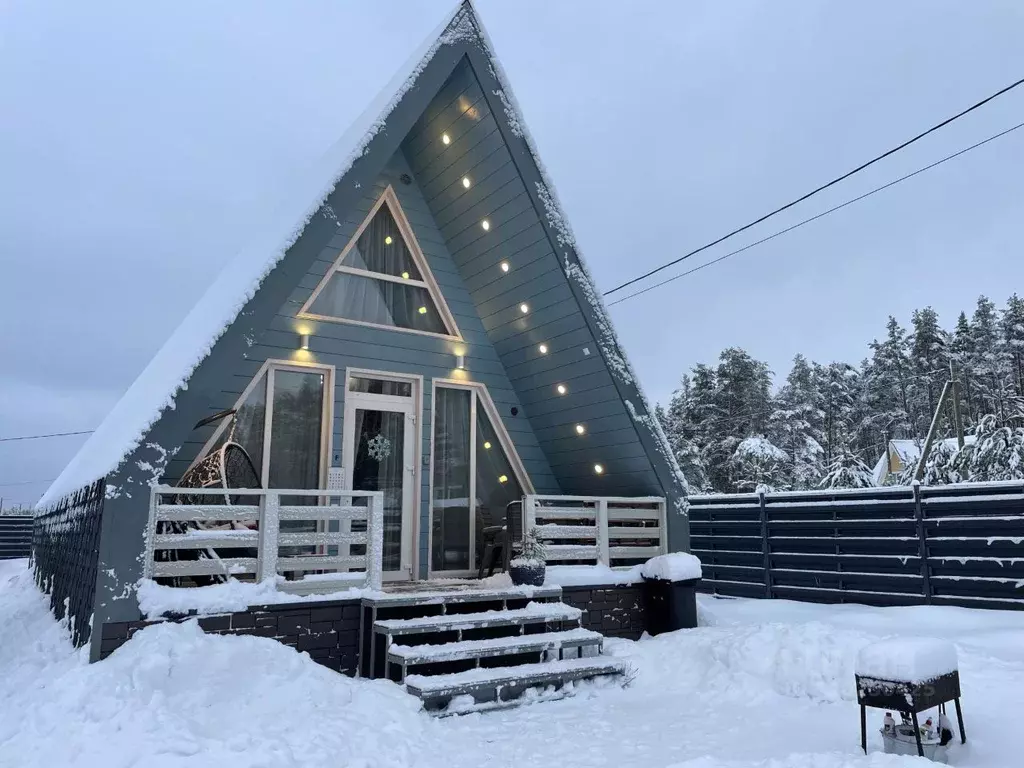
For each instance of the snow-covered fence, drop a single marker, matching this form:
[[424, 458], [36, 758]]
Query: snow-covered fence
[[318, 540], [951, 545], [15, 536], [598, 530], [65, 556]]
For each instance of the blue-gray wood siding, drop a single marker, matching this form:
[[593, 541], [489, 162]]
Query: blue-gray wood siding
[[346, 345], [497, 193]]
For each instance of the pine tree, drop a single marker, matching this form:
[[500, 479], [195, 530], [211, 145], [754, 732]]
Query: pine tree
[[681, 433], [929, 358], [837, 385], [847, 471], [1013, 342], [758, 465], [960, 353], [987, 361], [997, 453], [796, 425], [887, 385]]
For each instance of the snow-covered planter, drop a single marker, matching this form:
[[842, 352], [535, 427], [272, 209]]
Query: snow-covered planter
[[529, 565], [670, 588]]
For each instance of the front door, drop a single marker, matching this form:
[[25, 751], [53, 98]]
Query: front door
[[380, 432]]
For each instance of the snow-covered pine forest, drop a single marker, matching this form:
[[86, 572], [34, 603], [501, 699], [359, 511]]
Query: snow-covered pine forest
[[826, 424]]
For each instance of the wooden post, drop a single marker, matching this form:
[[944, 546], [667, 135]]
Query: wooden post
[[936, 420], [601, 520], [922, 544], [765, 547], [375, 541], [147, 566], [270, 523]]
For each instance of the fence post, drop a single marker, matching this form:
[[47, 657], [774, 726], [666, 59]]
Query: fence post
[[147, 566], [922, 544], [270, 522], [529, 514], [765, 548], [601, 520], [375, 541]]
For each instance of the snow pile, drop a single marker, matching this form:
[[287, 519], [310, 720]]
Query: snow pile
[[913, 660], [589, 575], [761, 448], [675, 566], [155, 600], [126, 425]]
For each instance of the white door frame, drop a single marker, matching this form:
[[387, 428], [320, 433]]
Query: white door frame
[[412, 407]]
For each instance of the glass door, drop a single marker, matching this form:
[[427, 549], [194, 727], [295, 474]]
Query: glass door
[[380, 455]]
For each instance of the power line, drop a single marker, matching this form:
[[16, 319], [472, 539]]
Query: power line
[[25, 482], [823, 187], [813, 218], [40, 437]]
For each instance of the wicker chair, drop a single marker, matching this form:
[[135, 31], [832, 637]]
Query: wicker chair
[[501, 540]]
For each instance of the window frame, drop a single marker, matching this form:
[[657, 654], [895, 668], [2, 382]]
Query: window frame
[[479, 394], [428, 283]]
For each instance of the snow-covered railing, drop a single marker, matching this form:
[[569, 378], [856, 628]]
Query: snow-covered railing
[[598, 530], [318, 540]]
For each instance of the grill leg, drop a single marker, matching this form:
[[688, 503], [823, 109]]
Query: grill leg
[[863, 728], [917, 734], [960, 720]]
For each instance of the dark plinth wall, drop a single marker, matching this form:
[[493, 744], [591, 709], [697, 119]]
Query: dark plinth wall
[[614, 611]]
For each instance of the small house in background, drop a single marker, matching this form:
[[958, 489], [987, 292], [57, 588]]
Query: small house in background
[[903, 454], [415, 352]]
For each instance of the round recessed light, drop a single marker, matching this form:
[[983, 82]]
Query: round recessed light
[[562, 389], [405, 275], [485, 224], [446, 139], [388, 240], [503, 479], [524, 307], [543, 349], [487, 444], [465, 182], [423, 310], [505, 267], [598, 469], [580, 429]]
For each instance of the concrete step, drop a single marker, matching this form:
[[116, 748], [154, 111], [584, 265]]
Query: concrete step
[[533, 613], [498, 646], [503, 684]]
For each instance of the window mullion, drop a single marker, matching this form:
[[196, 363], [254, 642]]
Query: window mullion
[[380, 276]]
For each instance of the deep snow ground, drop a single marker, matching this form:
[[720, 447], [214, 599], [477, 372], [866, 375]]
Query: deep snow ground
[[761, 684]]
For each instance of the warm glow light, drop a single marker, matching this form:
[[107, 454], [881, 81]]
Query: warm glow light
[[446, 139], [423, 310], [503, 479], [598, 469], [304, 341], [465, 181], [487, 444], [504, 266], [543, 349], [580, 429], [524, 308], [388, 240], [485, 224], [405, 275], [562, 389]]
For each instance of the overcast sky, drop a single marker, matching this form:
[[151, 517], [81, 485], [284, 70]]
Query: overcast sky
[[139, 142]]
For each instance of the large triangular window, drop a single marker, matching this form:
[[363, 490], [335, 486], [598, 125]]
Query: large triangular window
[[382, 279]]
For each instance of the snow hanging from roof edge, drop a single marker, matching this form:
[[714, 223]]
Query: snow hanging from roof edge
[[613, 351], [168, 372]]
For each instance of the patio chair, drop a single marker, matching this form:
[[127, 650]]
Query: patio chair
[[501, 540]]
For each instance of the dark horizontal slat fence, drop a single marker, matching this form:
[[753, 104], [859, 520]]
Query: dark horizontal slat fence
[[15, 536], [945, 545]]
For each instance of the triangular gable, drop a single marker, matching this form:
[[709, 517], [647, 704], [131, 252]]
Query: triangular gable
[[381, 279]]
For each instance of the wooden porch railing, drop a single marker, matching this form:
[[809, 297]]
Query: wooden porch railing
[[271, 529], [598, 530]]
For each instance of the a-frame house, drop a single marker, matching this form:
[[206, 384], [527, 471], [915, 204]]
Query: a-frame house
[[418, 320]]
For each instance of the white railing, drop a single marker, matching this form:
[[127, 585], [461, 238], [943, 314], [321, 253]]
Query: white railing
[[258, 520], [598, 530]]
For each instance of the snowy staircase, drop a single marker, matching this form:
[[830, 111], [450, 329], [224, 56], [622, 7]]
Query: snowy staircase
[[475, 649]]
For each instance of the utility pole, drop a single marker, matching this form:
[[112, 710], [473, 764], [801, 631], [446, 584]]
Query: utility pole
[[958, 423], [936, 420]]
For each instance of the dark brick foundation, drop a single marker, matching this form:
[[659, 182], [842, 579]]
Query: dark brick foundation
[[328, 631], [612, 610]]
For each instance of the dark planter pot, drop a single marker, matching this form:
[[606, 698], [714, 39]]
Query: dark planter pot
[[670, 605], [532, 575]]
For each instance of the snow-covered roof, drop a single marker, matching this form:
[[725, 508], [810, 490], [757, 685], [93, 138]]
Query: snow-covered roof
[[909, 452], [138, 409]]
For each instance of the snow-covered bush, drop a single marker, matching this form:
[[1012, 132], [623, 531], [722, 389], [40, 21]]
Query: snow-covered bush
[[532, 551], [847, 471], [997, 453], [758, 464]]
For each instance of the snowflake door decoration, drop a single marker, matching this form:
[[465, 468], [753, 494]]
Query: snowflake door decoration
[[379, 448]]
